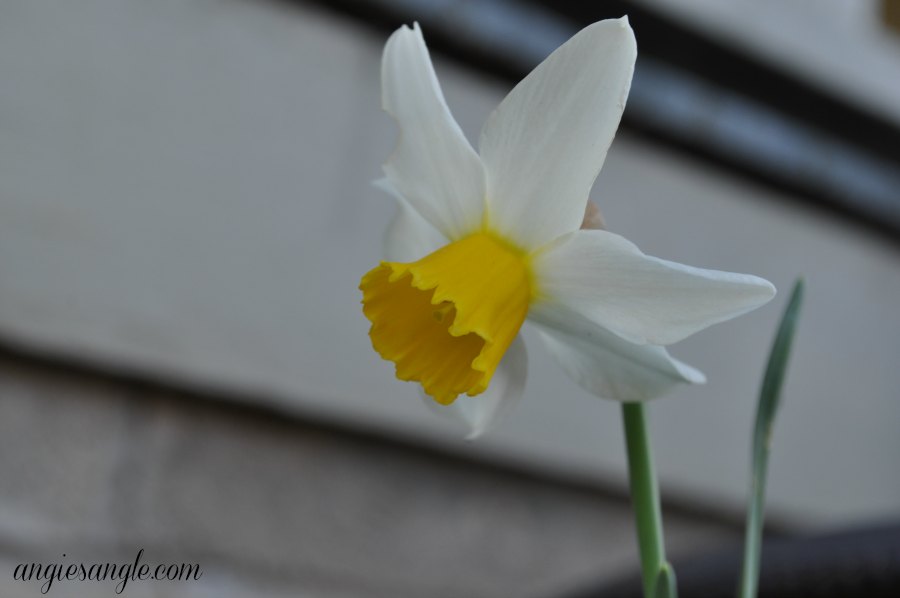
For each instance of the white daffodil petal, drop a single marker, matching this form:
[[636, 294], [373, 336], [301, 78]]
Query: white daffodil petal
[[606, 279], [612, 368], [482, 412], [433, 166], [408, 237], [544, 145]]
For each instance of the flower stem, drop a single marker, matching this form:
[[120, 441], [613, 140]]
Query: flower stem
[[644, 494]]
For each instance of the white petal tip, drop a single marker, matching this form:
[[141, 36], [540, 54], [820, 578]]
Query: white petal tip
[[689, 374], [474, 435], [621, 30], [764, 289], [621, 25], [693, 376], [382, 184], [401, 30]]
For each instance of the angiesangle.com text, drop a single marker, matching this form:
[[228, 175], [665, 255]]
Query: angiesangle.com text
[[122, 573]]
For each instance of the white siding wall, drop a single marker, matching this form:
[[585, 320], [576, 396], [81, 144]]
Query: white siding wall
[[184, 190], [843, 46]]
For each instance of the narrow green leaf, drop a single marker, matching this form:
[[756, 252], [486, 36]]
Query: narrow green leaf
[[666, 586], [769, 397]]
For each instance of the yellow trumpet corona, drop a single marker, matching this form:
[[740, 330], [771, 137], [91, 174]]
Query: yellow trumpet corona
[[447, 319]]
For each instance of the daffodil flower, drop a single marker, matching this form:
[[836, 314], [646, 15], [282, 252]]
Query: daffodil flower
[[483, 241]]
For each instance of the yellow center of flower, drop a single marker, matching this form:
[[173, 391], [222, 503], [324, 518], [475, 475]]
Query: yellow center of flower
[[447, 319]]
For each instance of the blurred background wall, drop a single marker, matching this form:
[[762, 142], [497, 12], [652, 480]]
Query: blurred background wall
[[186, 209]]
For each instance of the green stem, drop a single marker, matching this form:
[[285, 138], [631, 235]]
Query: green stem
[[644, 494]]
